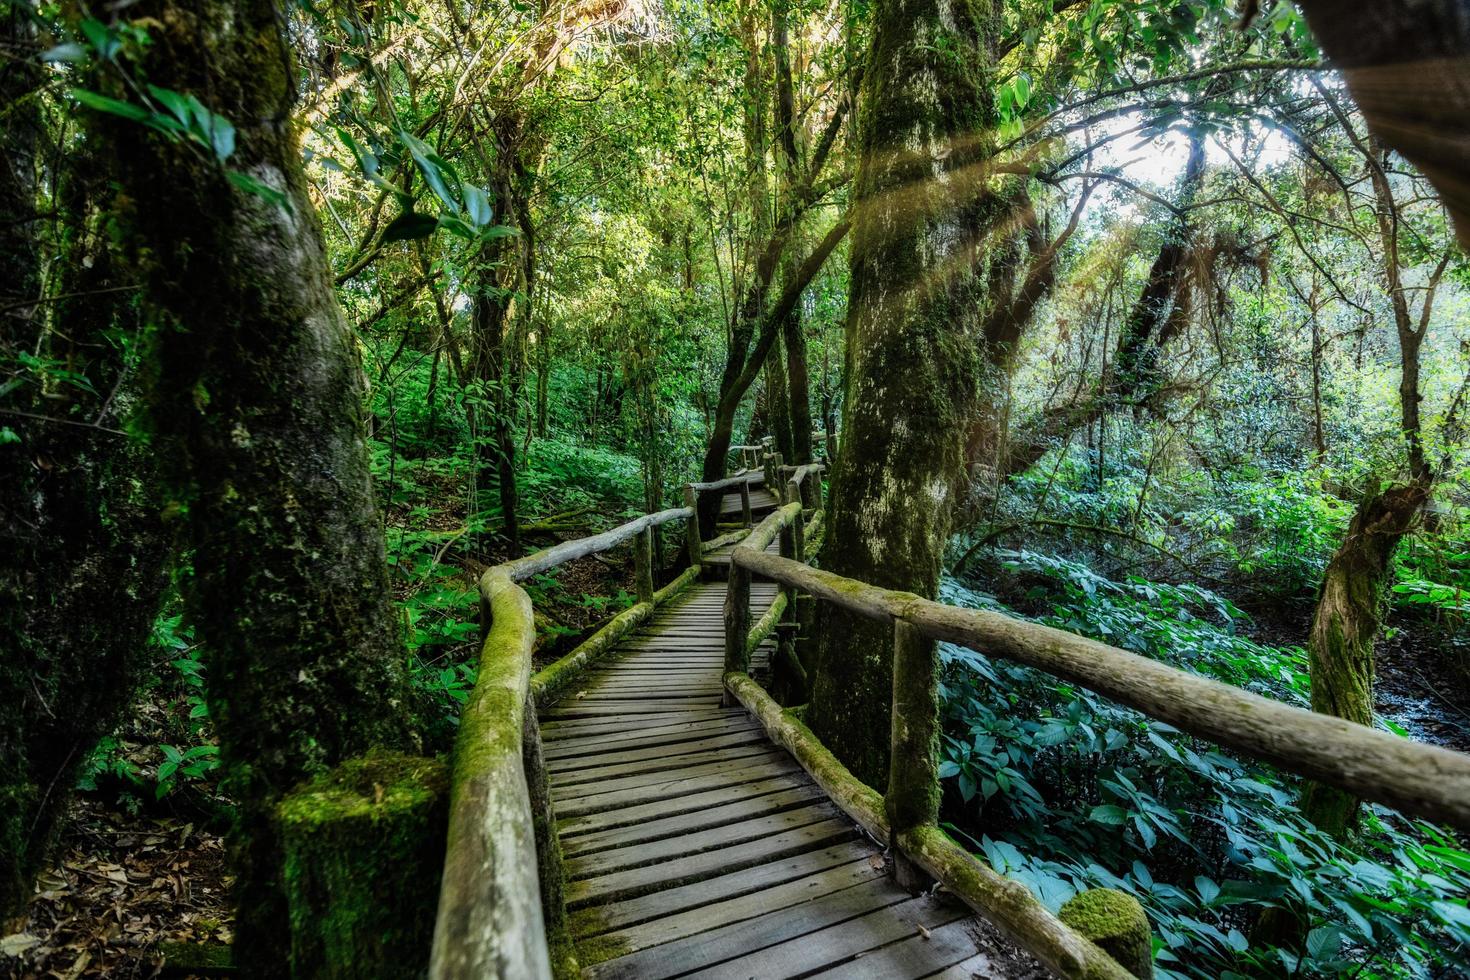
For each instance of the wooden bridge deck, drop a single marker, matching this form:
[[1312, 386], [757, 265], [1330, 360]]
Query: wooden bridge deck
[[695, 847]]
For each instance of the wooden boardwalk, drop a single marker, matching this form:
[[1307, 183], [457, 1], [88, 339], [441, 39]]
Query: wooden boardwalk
[[694, 847]]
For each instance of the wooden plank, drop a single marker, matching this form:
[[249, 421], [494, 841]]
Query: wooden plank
[[981, 964], [581, 710], [725, 939], [572, 777], [694, 822], [673, 787], [553, 730], [837, 945], [688, 804], [653, 698], [629, 912], [731, 911], [636, 881], [655, 734], [671, 777], [660, 750], [726, 835], [915, 957]]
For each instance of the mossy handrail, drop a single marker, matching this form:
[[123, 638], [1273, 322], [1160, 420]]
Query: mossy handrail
[[1419, 780], [501, 865]]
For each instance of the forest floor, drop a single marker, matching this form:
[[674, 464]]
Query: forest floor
[[124, 884]]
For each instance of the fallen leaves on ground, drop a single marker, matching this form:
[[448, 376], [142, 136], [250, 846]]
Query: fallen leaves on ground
[[120, 886]]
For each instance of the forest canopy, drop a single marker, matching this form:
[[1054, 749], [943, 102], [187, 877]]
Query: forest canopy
[[1145, 320]]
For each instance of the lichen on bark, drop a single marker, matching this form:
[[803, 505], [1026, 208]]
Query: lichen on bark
[[923, 205]]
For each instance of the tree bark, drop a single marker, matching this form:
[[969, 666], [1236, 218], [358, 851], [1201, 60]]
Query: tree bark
[[921, 212], [258, 414], [1407, 65]]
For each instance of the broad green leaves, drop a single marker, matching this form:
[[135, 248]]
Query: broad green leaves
[[467, 211]]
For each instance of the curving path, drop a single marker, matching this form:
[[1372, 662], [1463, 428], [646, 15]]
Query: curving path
[[695, 847]]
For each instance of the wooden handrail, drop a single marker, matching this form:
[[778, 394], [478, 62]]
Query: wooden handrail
[[906, 817], [748, 476], [520, 569], [489, 922], [737, 591], [1417, 779]]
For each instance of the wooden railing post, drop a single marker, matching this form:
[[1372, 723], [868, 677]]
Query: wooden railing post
[[643, 564], [912, 799], [737, 622], [813, 487], [798, 524], [745, 505], [692, 540]]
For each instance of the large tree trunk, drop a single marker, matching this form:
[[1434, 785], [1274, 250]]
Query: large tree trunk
[[921, 211], [258, 411], [1407, 64], [81, 547], [503, 263]]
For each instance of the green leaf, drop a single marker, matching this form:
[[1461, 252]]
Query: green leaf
[[454, 226], [1323, 942], [433, 168], [103, 40], [498, 231], [1110, 814], [250, 185], [476, 205], [1208, 890], [116, 107], [408, 226]]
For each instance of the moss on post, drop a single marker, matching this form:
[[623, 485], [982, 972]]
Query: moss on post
[[1116, 923], [364, 847], [913, 775]]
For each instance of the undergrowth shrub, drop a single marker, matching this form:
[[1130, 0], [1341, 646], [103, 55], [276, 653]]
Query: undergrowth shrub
[[1066, 790]]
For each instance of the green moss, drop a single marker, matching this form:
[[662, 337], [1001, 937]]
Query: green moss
[[364, 850], [600, 949], [1117, 924], [194, 958]]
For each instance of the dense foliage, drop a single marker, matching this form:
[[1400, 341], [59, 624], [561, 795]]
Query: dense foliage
[[579, 248]]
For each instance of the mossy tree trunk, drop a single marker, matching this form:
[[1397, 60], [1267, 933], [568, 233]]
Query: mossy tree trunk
[[1346, 621], [82, 551], [257, 411], [1345, 627], [922, 207]]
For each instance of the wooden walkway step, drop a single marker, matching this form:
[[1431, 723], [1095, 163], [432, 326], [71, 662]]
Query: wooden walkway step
[[694, 847]]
